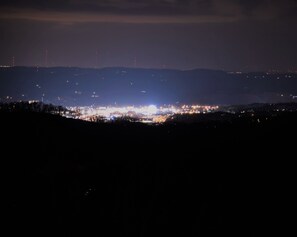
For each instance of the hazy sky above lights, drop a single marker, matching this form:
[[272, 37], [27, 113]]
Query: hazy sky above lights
[[216, 34]]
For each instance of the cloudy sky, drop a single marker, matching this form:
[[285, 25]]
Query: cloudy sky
[[216, 34]]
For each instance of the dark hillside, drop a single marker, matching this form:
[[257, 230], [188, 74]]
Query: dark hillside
[[212, 177]]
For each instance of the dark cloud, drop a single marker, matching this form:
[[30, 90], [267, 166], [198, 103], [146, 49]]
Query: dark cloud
[[146, 11], [243, 35]]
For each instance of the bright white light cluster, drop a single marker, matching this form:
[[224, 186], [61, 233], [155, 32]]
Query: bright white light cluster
[[148, 113]]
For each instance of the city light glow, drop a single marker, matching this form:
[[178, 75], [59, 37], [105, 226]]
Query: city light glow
[[146, 114]]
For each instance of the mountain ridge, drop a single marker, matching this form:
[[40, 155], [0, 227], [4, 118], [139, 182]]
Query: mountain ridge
[[132, 86]]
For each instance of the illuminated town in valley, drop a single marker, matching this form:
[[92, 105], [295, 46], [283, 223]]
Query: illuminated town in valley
[[145, 114]]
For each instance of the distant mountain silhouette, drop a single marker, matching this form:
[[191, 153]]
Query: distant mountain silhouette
[[80, 86]]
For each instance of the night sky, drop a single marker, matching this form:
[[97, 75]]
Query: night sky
[[233, 35]]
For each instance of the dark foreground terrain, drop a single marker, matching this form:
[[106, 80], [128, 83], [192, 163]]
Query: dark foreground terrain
[[213, 177]]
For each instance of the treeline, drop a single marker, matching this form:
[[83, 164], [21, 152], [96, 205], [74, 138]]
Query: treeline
[[26, 106]]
